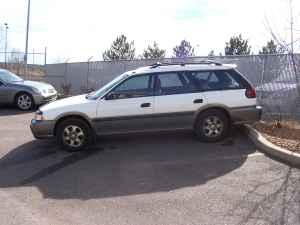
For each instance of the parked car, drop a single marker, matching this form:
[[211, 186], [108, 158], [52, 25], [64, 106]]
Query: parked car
[[206, 97], [279, 95], [24, 94]]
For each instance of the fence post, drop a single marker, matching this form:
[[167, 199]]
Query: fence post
[[88, 72], [45, 56], [45, 61], [66, 70]]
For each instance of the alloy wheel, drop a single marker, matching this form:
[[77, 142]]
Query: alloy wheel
[[24, 102], [73, 136], [213, 126]]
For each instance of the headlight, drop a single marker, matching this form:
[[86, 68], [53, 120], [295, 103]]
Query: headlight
[[38, 115]]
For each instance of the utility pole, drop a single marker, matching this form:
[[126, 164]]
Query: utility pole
[[5, 48], [27, 32], [297, 78], [0, 35], [292, 27]]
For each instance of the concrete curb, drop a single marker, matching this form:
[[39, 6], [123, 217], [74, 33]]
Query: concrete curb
[[271, 149]]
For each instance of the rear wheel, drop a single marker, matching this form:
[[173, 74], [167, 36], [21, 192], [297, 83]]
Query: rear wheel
[[212, 126], [73, 134], [24, 101]]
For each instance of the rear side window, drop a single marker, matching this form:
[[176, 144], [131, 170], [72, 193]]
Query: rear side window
[[168, 84], [173, 83], [170, 80], [214, 80]]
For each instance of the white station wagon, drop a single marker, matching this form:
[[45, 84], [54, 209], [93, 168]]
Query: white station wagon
[[207, 97]]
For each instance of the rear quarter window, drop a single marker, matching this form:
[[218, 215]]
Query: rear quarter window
[[216, 80], [239, 78]]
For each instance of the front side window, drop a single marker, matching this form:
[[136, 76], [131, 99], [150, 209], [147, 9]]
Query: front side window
[[107, 87], [9, 77], [134, 87]]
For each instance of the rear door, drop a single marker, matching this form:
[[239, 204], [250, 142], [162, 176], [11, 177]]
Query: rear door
[[128, 107], [176, 100]]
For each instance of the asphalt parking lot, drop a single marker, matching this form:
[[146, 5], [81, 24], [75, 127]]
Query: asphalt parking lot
[[146, 179]]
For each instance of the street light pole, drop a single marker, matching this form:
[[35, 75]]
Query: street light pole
[[5, 48], [27, 32]]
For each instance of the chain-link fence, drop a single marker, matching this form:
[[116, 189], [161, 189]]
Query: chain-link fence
[[276, 78], [14, 61]]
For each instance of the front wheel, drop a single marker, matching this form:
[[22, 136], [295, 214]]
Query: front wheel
[[73, 135], [24, 101], [212, 126]]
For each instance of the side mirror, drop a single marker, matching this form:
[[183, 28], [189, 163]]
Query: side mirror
[[111, 96]]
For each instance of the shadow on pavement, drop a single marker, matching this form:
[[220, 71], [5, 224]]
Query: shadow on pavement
[[11, 110], [279, 205], [121, 166]]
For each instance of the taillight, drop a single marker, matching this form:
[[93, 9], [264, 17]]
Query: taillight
[[250, 92]]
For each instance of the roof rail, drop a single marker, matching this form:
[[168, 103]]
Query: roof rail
[[203, 62]]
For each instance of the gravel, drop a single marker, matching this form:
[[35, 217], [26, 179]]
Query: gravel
[[284, 134]]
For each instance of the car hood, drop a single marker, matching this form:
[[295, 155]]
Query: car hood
[[70, 102], [43, 88], [32, 84]]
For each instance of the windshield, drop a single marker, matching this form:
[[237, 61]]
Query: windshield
[[9, 77], [105, 88]]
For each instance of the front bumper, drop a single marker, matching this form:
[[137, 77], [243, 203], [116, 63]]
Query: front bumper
[[42, 128], [249, 114], [39, 99]]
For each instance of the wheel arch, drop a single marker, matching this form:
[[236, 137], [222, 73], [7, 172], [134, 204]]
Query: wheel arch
[[17, 93], [206, 108], [78, 116]]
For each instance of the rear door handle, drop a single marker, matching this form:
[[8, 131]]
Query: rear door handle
[[198, 101], [144, 105]]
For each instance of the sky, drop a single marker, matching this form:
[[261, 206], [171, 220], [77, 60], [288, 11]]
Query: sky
[[75, 30]]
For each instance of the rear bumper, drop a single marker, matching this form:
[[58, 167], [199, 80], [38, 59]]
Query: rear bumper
[[42, 129], [249, 114]]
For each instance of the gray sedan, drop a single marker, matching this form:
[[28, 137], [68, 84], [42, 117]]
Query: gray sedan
[[23, 93]]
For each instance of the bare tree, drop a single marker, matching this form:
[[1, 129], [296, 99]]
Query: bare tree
[[286, 46]]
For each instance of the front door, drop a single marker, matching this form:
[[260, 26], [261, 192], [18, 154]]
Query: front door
[[128, 107], [5, 94]]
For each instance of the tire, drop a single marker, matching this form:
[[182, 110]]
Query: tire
[[24, 101], [212, 126], [73, 134]]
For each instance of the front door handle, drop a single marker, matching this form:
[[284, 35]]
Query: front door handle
[[198, 101], [144, 105]]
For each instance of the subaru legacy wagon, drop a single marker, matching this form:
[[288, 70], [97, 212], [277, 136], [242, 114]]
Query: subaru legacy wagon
[[207, 97]]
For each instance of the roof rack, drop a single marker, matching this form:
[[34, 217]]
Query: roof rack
[[203, 62]]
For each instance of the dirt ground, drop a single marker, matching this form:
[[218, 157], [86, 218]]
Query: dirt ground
[[285, 134]]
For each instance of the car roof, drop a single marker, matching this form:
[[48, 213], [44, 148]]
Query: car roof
[[156, 68]]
